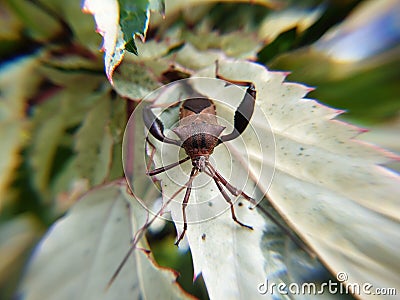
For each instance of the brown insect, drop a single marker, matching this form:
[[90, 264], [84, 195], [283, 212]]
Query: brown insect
[[199, 133]]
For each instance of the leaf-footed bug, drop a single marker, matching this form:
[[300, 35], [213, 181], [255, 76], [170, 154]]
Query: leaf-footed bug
[[199, 133]]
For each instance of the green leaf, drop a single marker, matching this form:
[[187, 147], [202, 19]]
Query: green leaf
[[81, 25], [133, 21], [98, 140], [60, 112], [79, 254], [94, 143], [133, 81], [62, 106], [17, 237], [39, 24], [13, 123], [10, 30], [131, 46]]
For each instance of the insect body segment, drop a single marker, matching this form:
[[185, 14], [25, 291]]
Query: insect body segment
[[198, 127], [199, 133]]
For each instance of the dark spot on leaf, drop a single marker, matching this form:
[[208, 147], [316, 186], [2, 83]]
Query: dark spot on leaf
[[210, 204], [203, 236], [240, 204]]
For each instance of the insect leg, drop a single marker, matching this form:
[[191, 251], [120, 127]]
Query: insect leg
[[185, 202], [242, 115], [245, 109], [165, 168], [234, 191], [236, 82], [141, 231], [221, 189], [153, 152], [156, 128]]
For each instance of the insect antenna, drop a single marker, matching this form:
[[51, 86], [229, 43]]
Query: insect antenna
[[228, 199]]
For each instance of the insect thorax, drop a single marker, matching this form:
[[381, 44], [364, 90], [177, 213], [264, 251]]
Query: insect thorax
[[199, 137]]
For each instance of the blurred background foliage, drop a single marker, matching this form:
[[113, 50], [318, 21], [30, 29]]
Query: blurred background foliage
[[61, 122]]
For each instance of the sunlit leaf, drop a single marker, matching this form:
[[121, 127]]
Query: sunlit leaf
[[73, 58], [133, 81], [327, 185], [202, 58], [235, 44], [229, 257], [51, 120], [61, 106], [78, 255], [175, 5], [280, 21], [94, 143], [119, 22], [106, 14]]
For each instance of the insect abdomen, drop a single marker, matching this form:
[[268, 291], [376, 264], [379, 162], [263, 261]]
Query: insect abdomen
[[201, 144]]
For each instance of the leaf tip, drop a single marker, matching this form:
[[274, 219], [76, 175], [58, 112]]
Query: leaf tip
[[285, 73], [310, 89]]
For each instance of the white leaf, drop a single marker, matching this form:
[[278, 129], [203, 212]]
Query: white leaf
[[106, 14], [280, 21], [229, 256], [80, 253], [328, 186]]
